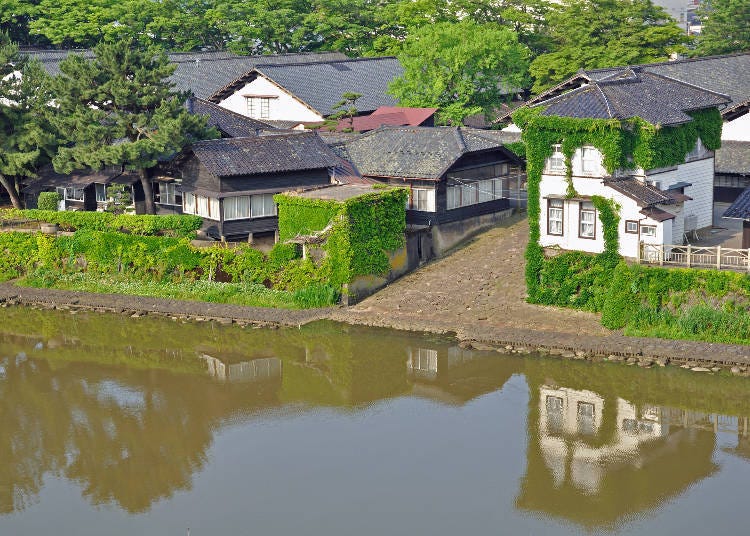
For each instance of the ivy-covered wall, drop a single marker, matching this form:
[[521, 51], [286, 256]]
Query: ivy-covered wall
[[362, 230], [624, 144]]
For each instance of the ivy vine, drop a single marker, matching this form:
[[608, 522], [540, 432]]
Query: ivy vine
[[624, 144]]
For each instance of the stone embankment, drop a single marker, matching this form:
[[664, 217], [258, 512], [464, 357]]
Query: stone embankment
[[476, 294]]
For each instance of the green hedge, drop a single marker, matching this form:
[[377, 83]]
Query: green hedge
[[48, 201], [172, 225]]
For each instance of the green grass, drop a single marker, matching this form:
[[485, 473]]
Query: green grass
[[248, 294]]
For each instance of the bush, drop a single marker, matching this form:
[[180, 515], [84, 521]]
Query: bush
[[48, 201], [316, 296]]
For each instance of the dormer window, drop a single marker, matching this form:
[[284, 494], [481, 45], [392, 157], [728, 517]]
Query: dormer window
[[556, 162], [590, 160], [258, 107]]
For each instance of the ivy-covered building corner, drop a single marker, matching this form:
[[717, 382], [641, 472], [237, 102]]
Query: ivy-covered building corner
[[618, 163], [352, 236]]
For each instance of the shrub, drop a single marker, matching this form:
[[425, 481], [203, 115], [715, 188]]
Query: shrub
[[48, 201]]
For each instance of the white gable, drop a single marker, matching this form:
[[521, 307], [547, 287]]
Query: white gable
[[282, 106]]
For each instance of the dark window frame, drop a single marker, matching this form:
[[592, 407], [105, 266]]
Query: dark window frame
[[637, 225]]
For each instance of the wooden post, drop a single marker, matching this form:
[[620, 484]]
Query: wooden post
[[304, 251], [718, 257], [748, 260], [250, 238], [661, 255], [689, 255], [276, 237], [638, 253]]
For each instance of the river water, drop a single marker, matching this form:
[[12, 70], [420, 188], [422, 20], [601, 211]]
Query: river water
[[121, 426]]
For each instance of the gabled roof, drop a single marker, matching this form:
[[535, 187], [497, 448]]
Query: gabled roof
[[231, 124], [203, 73], [48, 178], [630, 93], [320, 85], [270, 153], [740, 209], [727, 74], [644, 194], [733, 157], [414, 152], [395, 116]]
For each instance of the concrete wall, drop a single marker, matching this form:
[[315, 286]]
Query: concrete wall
[[361, 287], [284, 106], [448, 235]]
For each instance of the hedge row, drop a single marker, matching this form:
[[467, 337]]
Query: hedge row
[[172, 225]]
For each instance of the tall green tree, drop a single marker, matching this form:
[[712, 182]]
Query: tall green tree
[[120, 109], [26, 139], [590, 34], [460, 68], [726, 27]]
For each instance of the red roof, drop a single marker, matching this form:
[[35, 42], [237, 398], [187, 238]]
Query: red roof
[[394, 116]]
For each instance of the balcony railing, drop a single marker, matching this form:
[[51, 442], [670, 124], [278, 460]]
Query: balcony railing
[[717, 258]]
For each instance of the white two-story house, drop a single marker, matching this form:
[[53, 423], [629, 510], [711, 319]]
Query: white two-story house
[[656, 206]]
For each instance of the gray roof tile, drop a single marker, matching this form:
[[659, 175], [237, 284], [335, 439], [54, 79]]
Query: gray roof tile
[[230, 123], [202, 73], [413, 152], [271, 153], [644, 194], [632, 93], [741, 207], [733, 158], [321, 84]]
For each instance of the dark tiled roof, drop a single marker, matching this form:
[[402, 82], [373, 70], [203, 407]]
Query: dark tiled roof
[[413, 152], [631, 93], [264, 154], [733, 157], [232, 124], [48, 178], [657, 214], [741, 206], [727, 74], [644, 194], [320, 85], [203, 73]]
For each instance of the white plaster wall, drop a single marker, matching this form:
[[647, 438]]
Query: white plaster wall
[[739, 129], [283, 108]]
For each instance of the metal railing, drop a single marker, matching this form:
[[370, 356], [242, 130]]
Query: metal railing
[[717, 258]]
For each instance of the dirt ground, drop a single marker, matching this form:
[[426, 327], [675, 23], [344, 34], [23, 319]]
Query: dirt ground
[[480, 285]]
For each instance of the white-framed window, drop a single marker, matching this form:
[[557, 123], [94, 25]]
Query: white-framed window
[[697, 151], [259, 107], [587, 220], [631, 226], [262, 206], [556, 162], [205, 207], [166, 193], [590, 160], [422, 199], [74, 194], [555, 208], [237, 208], [101, 192], [648, 230], [586, 418], [423, 359]]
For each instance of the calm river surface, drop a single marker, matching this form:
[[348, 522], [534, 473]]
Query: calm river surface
[[120, 426]]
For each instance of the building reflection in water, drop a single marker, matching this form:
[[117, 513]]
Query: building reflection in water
[[255, 370], [597, 461]]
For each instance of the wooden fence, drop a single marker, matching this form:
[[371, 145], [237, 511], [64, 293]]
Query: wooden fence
[[717, 258]]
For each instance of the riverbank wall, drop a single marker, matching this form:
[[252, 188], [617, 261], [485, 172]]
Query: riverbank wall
[[644, 352]]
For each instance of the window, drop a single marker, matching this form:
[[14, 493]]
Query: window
[[631, 226], [237, 208], [259, 107], [590, 158], [74, 194], [165, 193], [696, 152], [648, 230], [422, 199], [586, 418], [554, 406], [262, 206], [555, 216], [556, 162], [101, 192], [206, 207], [423, 359], [587, 218]]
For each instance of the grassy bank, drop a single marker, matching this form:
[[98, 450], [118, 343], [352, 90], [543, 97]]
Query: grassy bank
[[248, 294]]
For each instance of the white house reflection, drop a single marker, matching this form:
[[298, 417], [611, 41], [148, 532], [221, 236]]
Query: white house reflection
[[254, 370]]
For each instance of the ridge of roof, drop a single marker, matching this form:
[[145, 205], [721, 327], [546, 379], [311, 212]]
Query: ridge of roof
[[668, 62], [328, 62]]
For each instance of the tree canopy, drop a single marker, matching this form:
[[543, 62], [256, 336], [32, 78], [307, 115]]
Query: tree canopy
[[590, 34], [461, 68], [119, 109], [26, 139], [726, 27]]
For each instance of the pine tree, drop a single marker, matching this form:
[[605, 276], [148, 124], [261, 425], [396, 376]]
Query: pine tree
[[119, 109], [26, 139]]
